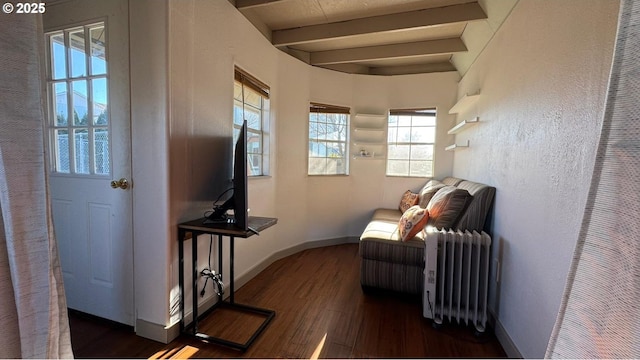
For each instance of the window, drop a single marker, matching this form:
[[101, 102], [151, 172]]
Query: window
[[328, 134], [411, 137], [251, 103], [77, 97]]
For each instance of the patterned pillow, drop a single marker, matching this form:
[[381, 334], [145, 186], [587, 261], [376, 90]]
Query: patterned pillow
[[412, 222], [408, 200]]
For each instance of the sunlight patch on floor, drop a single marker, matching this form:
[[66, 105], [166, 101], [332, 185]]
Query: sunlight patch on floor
[[183, 352], [318, 350]]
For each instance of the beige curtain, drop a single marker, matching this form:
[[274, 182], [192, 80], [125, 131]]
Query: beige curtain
[[600, 312], [33, 312]]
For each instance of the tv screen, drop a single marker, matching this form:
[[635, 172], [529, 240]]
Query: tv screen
[[240, 186], [238, 201]]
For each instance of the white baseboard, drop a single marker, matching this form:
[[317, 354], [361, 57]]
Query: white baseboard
[[505, 340], [155, 332], [255, 270], [166, 334]]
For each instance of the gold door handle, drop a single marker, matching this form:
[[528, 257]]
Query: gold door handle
[[122, 184]]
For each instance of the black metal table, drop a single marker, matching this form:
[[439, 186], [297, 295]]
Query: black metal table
[[199, 227]]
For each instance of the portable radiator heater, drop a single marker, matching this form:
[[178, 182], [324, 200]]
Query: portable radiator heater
[[456, 277]]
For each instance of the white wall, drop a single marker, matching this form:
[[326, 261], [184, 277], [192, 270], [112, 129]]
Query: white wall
[[151, 226], [543, 80]]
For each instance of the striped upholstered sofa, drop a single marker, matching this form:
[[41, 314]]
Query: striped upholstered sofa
[[391, 264]]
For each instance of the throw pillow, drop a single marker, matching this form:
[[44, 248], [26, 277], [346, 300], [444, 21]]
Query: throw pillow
[[427, 192], [446, 207], [408, 200], [412, 222]]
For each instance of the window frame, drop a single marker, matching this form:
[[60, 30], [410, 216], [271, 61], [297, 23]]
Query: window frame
[[250, 83], [89, 77], [422, 112], [326, 109]]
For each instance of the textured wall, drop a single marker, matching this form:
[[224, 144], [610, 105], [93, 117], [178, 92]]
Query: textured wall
[[543, 81]]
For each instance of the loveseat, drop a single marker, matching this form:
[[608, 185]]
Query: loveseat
[[388, 262]]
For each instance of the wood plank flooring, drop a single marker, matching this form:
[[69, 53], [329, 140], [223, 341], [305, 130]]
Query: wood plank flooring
[[321, 313]]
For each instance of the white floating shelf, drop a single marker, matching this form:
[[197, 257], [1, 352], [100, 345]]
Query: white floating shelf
[[457, 146], [369, 157], [464, 103], [368, 130], [464, 124]]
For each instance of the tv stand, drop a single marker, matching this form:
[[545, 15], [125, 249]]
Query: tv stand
[[254, 231], [199, 227]]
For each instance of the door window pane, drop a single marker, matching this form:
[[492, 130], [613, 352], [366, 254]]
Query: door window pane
[[81, 149], [61, 152], [78, 55], [60, 103], [98, 51], [101, 141], [99, 91], [80, 108], [58, 56]]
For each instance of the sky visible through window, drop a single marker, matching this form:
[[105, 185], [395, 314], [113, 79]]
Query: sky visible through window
[[78, 69]]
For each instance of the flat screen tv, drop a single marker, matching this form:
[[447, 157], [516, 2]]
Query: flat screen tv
[[239, 200], [240, 184]]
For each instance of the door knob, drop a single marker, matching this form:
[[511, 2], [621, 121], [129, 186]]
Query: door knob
[[122, 184]]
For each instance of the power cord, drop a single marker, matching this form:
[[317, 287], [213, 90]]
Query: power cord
[[207, 273], [216, 207]]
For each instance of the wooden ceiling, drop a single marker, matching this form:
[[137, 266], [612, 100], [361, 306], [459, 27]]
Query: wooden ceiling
[[379, 37]]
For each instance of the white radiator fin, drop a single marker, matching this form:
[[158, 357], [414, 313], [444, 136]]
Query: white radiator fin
[[457, 277]]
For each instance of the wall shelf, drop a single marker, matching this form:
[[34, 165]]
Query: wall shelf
[[457, 146], [369, 157], [463, 125], [464, 103], [369, 135]]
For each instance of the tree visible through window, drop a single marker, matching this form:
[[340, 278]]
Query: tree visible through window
[[328, 139], [411, 138]]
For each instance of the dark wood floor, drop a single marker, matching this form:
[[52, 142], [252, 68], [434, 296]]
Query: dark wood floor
[[321, 313]]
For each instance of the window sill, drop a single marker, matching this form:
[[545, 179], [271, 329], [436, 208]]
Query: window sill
[[328, 175], [260, 177], [409, 177]]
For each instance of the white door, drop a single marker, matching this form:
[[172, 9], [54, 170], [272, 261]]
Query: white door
[[89, 146]]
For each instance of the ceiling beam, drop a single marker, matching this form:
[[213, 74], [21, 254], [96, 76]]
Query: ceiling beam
[[391, 51], [412, 69], [348, 68], [246, 4], [374, 24]]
